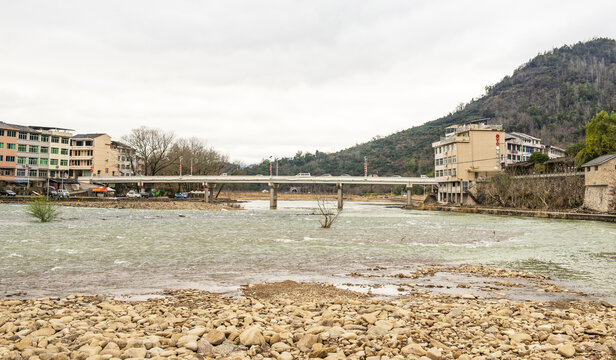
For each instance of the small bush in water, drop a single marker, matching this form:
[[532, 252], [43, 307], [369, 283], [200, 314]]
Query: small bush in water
[[42, 209]]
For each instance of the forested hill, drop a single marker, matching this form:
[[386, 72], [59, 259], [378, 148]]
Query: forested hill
[[551, 97]]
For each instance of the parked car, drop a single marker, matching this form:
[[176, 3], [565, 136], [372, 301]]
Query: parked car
[[144, 194], [345, 175], [182, 195], [53, 193], [303, 174], [63, 193], [326, 175], [396, 176], [7, 192], [132, 194], [223, 174]]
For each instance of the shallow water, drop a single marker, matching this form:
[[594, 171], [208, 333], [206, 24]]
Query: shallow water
[[116, 251]]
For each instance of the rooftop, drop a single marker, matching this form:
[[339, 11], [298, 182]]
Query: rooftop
[[600, 160], [88, 136]]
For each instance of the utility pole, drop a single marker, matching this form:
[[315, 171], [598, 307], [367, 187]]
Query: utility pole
[[365, 166], [180, 166], [191, 166]]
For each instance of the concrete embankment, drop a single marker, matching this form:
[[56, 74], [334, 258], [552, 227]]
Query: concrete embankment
[[566, 215], [291, 320]]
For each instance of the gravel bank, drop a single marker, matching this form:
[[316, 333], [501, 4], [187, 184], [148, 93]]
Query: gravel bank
[[290, 320]]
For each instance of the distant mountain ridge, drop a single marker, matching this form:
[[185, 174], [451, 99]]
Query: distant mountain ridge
[[552, 97]]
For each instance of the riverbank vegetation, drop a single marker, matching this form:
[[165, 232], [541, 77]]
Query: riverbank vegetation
[[549, 193], [42, 209]]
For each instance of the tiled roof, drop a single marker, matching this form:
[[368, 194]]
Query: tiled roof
[[600, 160]]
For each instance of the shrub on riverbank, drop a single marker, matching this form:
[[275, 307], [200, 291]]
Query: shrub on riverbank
[[42, 209]]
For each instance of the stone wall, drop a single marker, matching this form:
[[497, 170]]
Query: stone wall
[[599, 198]]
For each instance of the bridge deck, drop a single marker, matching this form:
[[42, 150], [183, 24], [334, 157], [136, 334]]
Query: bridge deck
[[256, 179]]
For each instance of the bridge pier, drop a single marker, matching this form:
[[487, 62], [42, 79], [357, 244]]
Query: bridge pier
[[273, 192], [340, 193], [205, 192], [409, 193], [210, 193]]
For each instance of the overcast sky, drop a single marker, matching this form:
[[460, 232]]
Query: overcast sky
[[268, 78]]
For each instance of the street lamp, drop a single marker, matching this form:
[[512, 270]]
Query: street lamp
[[180, 166]]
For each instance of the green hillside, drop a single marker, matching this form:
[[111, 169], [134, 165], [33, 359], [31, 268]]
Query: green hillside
[[551, 97]]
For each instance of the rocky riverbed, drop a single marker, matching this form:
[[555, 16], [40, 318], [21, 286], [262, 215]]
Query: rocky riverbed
[[292, 320]]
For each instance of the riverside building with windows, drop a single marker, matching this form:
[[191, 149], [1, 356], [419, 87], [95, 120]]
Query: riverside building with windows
[[93, 155], [42, 153], [8, 152], [128, 162], [466, 153]]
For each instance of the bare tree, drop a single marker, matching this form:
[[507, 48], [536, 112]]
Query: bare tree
[[194, 151], [328, 214], [152, 147]]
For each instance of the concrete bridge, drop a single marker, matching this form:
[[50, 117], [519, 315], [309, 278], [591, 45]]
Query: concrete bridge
[[210, 182]]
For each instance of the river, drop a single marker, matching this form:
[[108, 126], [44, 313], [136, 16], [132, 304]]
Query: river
[[118, 251]]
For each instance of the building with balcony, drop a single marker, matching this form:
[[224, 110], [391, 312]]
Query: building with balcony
[[8, 152], [519, 147], [128, 162], [466, 153], [93, 155], [42, 153]]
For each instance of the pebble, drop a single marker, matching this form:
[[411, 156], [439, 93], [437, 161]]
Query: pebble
[[191, 324]]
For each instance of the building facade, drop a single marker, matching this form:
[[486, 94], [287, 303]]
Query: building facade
[[466, 153], [8, 152], [42, 153], [128, 163], [600, 183], [519, 147], [93, 155]]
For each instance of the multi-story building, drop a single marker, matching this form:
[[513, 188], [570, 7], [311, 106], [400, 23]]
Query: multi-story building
[[54, 151], [466, 153], [42, 153], [554, 152], [93, 155], [8, 152], [128, 163], [519, 147]]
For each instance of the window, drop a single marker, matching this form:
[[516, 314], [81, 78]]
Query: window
[[22, 148], [64, 151], [454, 172], [1, 132], [10, 146], [32, 173], [43, 173], [21, 172], [44, 138], [454, 146], [44, 161], [10, 158], [23, 135], [55, 139], [33, 149], [54, 150], [1, 158], [33, 161], [1, 145], [44, 150], [64, 162], [21, 160], [454, 159], [53, 162], [64, 140], [597, 168], [508, 156], [34, 137], [11, 133]]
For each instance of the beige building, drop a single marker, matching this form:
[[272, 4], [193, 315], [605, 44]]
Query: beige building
[[600, 182], [93, 155], [466, 153], [128, 163]]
